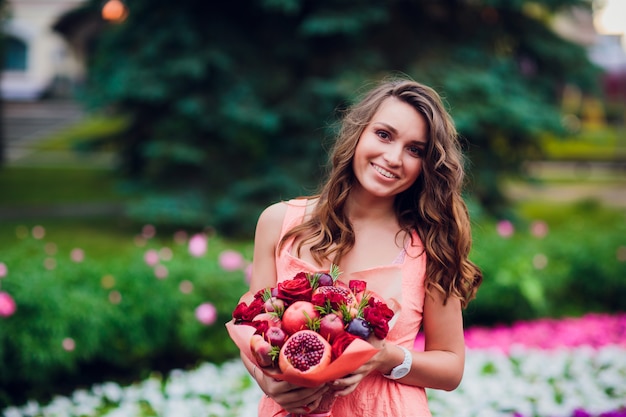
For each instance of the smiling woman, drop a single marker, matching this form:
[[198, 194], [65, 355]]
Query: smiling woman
[[387, 158]]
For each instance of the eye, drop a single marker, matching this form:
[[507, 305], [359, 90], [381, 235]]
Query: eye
[[384, 135], [416, 151]]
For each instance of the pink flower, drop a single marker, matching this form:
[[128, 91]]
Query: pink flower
[[505, 228], [180, 237], [77, 255], [151, 257], [3, 270], [115, 297], [148, 231], [50, 263], [198, 245], [186, 287], [38, 232], [7, 305], [231, 260], [539, 228], [206, 313], [69, 344], [161, 271], [166, 254], [593, 330]]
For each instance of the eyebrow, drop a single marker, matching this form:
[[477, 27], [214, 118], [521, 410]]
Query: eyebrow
[[395, 132]]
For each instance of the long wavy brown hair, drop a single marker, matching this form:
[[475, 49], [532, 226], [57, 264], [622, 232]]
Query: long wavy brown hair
[[432, 206]]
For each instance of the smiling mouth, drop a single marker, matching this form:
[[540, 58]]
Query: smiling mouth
[[384, 172]]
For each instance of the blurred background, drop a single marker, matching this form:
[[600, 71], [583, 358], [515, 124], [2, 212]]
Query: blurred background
[[140, 140]]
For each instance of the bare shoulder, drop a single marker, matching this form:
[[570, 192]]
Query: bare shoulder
[[269, 225], [273, 215]]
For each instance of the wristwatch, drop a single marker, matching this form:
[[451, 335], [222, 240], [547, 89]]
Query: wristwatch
[[403, 369]]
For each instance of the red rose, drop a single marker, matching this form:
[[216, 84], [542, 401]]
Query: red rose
[[261, 326], [341, 342], [245, 313], [329, 301], [357, 286], [298, 288]]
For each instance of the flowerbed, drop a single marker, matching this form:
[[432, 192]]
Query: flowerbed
[[574, 367]]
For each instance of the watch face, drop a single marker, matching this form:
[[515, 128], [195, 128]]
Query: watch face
[[399, 373]]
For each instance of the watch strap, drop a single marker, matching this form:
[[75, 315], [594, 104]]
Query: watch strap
[[406, 364]]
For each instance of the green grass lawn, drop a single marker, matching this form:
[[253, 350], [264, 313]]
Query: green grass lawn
[[44, 189], [21, 186], [593, 144]]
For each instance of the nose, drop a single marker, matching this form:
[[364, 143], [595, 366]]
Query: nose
[[393, 156]]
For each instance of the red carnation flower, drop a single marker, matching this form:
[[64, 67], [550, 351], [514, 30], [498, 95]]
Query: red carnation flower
[[341, 342]]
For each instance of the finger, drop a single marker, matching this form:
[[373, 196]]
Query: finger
[[345, 391], [347, 381], [298, 398], [300, 409]]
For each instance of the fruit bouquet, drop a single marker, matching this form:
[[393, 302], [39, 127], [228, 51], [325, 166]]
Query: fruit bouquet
[[310, 329]]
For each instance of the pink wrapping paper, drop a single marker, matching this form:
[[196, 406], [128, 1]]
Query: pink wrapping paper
[[355, 355]]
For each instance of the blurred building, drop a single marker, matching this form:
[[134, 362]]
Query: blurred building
[[38, 60], [608, 52]]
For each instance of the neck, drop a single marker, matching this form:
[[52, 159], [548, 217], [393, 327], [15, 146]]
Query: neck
[[360, 207]]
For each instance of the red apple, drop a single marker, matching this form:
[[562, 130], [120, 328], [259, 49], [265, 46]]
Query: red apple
[[331, 325], [274, 305], [275, 336], [271, 319], [297, 316]]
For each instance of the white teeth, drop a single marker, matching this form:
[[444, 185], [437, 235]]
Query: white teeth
[[384, 172]]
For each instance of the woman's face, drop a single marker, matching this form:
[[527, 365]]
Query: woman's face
[[388, 156]]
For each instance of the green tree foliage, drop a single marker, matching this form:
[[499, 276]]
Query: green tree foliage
[[231, 105]]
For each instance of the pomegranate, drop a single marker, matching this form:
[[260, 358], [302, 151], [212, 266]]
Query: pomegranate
[[298, 316], [304, 352], [338, 288], [331, 325]]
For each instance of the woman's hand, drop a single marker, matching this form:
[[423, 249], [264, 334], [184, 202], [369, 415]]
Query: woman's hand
[[348, 383], [292, 398]]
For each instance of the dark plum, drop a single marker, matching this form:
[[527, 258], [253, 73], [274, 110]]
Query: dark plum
[[359, 328]]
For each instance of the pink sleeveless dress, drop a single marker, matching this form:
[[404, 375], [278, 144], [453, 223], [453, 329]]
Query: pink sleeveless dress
[[401, 283]]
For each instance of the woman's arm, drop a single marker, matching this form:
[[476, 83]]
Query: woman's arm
[[441, 364], [290, 397], [265, 241]]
